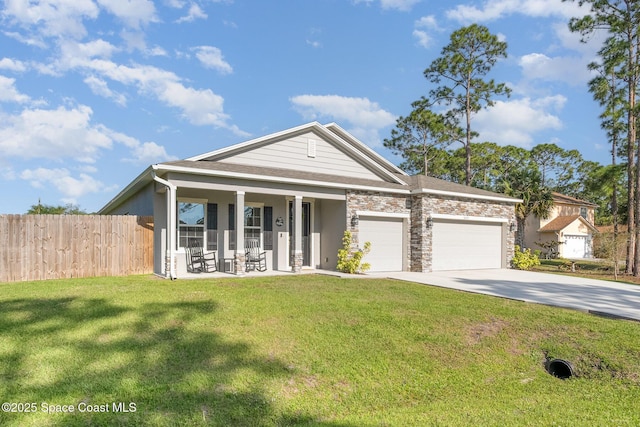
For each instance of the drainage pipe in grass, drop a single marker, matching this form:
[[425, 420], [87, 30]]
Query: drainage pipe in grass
[[171, 221]]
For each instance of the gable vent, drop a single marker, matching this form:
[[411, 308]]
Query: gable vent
[[311, 147]]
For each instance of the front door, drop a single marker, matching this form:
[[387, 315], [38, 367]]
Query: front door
[[306, 233]]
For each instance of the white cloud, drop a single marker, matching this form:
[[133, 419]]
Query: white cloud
[[365, 117], [420, 32], [492, 10], [69, 134], [211, 57], [403, 5], [427, 22], [74, 54], [55, 18], [142, 153], [28, 40], [198, 106], [156, 51], [100, 87], [149, 153], [398, 4], [134, 13], [423, 38], [12, 65], [71, 187], [195, 12], [571, 70], [516, 122], [8, 92], [52, 134]]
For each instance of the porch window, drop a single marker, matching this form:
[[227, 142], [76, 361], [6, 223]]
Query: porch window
[[191, 223], [252, 222]]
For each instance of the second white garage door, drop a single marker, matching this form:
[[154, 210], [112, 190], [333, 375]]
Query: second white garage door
[[464, 245], [385, 235]]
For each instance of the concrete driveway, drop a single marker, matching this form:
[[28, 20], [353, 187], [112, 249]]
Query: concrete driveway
[[594, 296]]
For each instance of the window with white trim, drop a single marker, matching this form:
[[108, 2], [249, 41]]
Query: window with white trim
[[191, 223], [253, 222]]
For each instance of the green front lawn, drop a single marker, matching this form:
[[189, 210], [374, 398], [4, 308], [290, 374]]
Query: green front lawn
[[305, 350]]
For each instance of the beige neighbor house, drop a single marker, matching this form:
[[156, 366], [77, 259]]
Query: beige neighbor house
[[570, 223], [295, 192]]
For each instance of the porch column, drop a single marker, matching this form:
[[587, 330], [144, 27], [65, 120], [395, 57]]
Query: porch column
[[296, 262], [239, 256]]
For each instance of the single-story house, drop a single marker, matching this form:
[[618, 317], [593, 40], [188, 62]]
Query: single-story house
[[570, 225], [298, 190]]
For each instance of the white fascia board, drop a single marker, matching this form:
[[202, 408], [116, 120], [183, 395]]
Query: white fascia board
[[468, 218], [255, 141], [383, 214], [467, 195], [366, 148], [266, 178]]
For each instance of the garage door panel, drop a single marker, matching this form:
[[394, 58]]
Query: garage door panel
[[575, 246], [385, 235], [465, 245]]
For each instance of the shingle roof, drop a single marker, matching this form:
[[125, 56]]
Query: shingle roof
[[417, 182], [563, 198], [431, 183], [561, 222]]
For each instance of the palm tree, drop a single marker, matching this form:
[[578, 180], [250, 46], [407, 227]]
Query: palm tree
[[527, 185]]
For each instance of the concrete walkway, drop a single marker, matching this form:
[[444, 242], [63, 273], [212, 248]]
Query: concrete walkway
[[593, 296]]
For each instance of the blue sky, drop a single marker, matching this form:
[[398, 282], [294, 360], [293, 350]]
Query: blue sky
[[94, 91]]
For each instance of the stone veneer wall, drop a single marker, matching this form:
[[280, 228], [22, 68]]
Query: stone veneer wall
[[427, 204], [375, 201], [420, 207], [420, 259]]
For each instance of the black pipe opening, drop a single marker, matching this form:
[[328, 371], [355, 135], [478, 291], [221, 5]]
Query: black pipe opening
[[560, 368]]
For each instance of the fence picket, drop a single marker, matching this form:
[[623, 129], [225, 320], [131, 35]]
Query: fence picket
[[40, 247]]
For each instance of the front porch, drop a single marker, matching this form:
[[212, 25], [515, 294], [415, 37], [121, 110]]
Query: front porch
[[299, 231]]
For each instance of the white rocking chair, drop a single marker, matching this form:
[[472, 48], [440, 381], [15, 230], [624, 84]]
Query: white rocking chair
[[255, 259]]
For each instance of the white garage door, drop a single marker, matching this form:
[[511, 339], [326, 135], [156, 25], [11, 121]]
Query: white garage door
[[463, 245], [574, 247], [385, 235]]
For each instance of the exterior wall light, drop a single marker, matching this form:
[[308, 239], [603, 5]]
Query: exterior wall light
[[512, 226], [355, 220], [429, 222]]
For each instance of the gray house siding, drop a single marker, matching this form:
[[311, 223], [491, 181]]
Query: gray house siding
[[141, 204], [294, 153]]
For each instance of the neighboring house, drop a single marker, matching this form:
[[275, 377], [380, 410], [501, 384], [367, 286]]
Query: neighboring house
[[298, 190], [570, 223]]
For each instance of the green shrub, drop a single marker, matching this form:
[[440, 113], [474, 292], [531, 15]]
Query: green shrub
[[524, 260], [350, 261]]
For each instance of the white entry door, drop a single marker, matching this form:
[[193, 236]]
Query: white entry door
[[466, 245]]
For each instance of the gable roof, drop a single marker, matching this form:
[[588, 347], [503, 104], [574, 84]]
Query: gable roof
[[394, 181], [349, 138], [562, 222], [563, 198], [331, 133]]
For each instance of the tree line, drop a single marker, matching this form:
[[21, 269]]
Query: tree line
[[460, 88]]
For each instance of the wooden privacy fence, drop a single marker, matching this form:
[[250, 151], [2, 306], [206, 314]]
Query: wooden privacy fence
[[39, 247]]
